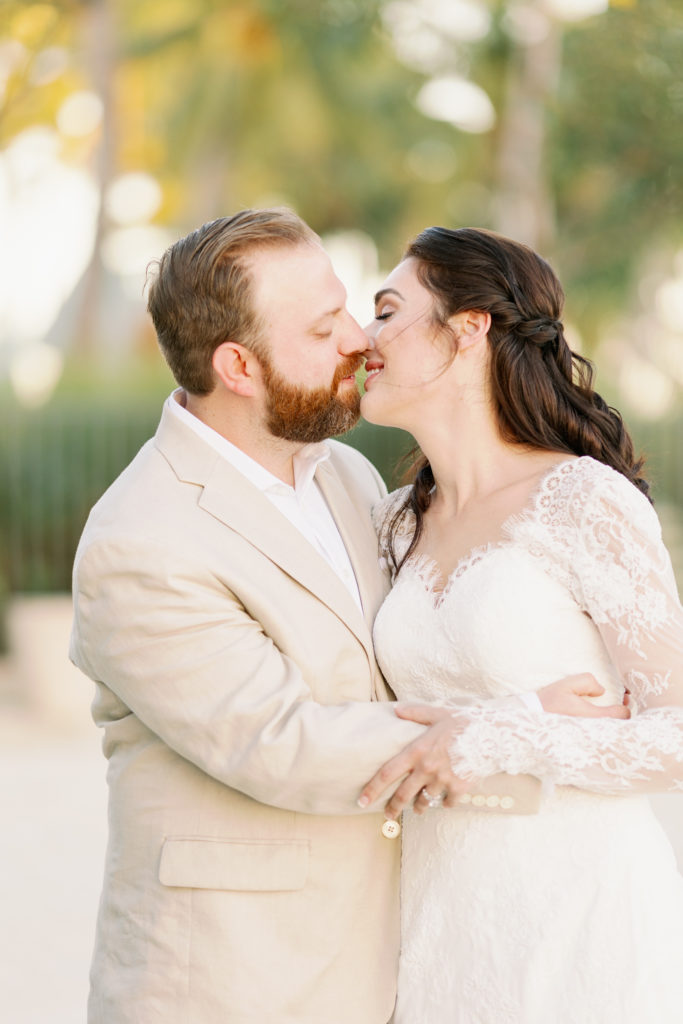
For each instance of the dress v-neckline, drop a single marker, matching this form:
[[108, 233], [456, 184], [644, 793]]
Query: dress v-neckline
[[438, 586]]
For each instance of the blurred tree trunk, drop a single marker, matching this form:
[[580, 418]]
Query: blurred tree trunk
[[524, 208], [100, 45], [210, 185]]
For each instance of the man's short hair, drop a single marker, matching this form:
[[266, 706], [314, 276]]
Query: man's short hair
[[201, 292]]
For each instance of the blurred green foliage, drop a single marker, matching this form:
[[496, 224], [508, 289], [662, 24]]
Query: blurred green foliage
[[55, 464], [233, 103]]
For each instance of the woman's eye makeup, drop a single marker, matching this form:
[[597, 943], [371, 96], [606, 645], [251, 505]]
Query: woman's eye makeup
[[385, 315]]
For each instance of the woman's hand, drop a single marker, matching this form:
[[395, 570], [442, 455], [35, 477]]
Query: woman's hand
[[425, 763]]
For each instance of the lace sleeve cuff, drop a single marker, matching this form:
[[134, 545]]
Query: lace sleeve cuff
[[644, 754]]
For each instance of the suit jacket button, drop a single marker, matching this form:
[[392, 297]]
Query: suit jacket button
[[479, 800], [506, 802], [493, 800], [391, 829], [465, 798]]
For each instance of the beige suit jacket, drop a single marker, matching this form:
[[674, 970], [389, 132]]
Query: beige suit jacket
[[240, 700]]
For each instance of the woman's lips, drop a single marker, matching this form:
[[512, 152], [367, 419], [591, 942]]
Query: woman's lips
[[372, 368]]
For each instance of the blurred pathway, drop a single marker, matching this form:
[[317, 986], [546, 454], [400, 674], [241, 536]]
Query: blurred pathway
[[53, 814], [53, 807]]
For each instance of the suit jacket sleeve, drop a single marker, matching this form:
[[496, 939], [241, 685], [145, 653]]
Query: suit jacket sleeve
[[232, 703], [171, 643]]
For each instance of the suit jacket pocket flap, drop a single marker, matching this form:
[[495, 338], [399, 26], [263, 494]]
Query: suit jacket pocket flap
[[268, 865]]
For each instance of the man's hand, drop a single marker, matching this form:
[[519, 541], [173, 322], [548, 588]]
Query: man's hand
[[425, 763], [568, 697]]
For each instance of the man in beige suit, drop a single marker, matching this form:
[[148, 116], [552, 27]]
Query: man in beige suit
[[225, 588]]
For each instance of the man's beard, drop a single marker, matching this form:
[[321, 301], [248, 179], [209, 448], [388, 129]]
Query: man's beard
[[309, 415]]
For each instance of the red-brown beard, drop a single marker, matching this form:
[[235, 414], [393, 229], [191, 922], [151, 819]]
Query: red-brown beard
[[309, 415]]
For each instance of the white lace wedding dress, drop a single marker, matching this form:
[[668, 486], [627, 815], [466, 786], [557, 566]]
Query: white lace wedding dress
[[573, 915]]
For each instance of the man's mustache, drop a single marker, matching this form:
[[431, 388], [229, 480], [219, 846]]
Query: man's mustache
[[345, 369]]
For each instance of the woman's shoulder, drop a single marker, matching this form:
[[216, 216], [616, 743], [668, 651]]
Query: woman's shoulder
[[584, 490], [383, 512], [593, 477], [394, 534]]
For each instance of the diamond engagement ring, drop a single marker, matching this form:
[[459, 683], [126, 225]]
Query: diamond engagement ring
[[432, 801]]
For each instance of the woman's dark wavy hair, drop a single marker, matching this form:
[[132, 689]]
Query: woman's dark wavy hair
[[542, 391]]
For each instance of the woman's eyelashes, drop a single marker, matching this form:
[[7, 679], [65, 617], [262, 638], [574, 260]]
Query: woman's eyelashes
[[384, 316]]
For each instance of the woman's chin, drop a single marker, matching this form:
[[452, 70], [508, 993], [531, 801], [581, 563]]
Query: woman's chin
[[372, 412]]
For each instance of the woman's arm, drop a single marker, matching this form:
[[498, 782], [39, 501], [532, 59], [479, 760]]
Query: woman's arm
[[621, 576], [624, 581]]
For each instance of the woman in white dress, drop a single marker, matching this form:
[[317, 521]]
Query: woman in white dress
[[526, 549]]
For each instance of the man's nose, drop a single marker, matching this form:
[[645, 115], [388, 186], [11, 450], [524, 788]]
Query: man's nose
[[353, 337], [370, 332]]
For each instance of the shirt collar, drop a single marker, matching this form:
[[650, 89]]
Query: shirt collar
[[305, 462]]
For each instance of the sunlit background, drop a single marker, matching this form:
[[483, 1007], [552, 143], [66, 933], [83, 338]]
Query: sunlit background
[[125, 123]]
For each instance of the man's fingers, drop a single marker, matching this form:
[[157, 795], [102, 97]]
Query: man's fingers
[[585, 709], [561, 696], [586, 685], [612, 711]]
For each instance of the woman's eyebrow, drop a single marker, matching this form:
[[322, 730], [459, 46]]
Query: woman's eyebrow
[[387, 291]]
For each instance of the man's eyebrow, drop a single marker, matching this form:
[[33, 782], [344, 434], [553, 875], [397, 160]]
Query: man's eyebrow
[[387, 291], [324, 316]]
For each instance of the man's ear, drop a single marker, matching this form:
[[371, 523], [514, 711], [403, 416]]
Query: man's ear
[[235, 366], [471, 327]]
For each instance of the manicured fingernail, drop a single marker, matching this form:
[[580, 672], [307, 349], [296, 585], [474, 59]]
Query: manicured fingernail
[[362, 801]]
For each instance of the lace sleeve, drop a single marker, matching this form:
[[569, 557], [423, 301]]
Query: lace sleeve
[[620, 573], [383, 515]]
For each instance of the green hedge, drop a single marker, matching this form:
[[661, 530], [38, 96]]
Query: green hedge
[[55, 463]]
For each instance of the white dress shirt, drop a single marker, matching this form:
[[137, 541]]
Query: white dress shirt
[[303, 505]]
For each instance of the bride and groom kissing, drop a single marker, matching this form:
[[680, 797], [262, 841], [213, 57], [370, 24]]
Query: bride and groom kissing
[[230, 606]]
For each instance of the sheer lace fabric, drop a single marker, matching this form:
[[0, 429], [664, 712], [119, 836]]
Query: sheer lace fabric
[[594, 531], [575, 914]]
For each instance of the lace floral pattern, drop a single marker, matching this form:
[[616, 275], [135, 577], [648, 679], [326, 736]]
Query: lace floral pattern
[[574, 915], [602, 755], [602, 537], [593, 533], [382, 517]]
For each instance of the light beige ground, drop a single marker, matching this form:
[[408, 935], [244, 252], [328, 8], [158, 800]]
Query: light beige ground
[[53, 807], [53, 813]]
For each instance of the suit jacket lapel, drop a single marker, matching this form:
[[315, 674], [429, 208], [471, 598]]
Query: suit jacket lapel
[[359, 538], [241, 506]]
